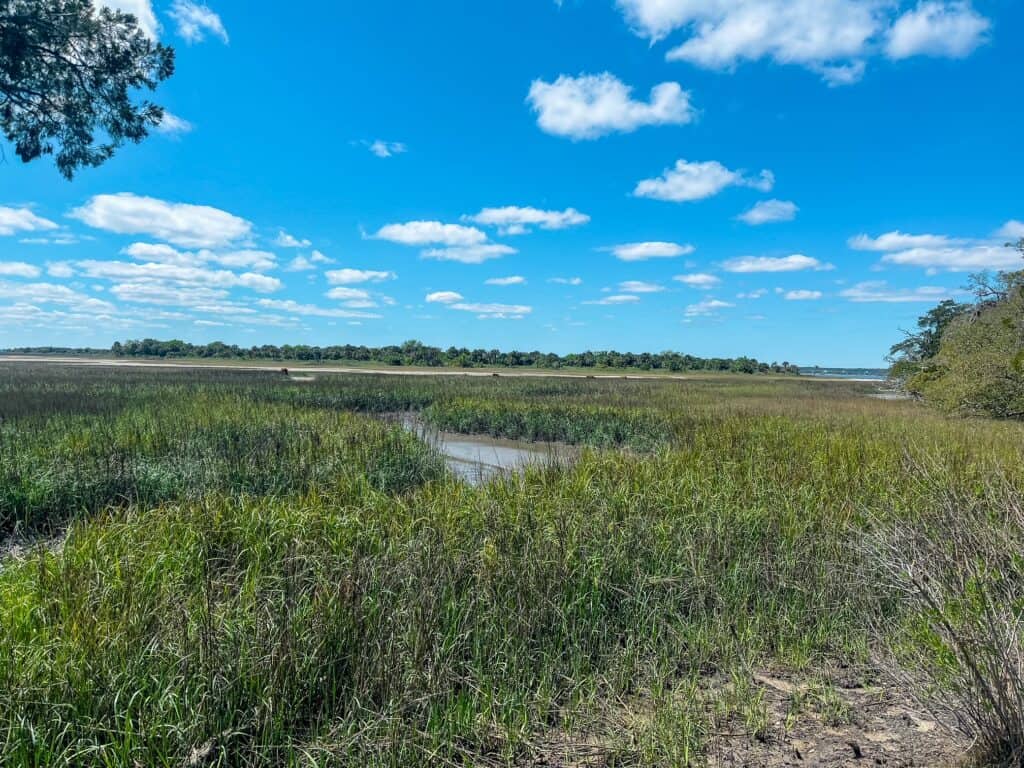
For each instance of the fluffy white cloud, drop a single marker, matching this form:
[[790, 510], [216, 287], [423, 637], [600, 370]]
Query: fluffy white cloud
[[285, 240], [793, 263], [19, 269], [803, 295], [1012, 229], [699, 280], [895, 241], [356, 276], [444, 297], [591, 106], [514, 220], [431, 233], [189, 275], [968, 258], [949, 29], [189, 226], [639, 286], [195, 20], [385, 149], [348, 294], [512, 280], [769, 211], [650, 250], [687, 182], [310, 310], [161, 253], [830, 37], [307, 263], [50, 293], [707, 308], [566, 280], [471, 254], [14, 220], [142, 10], [615, 300], [172, 125], [880, 292]]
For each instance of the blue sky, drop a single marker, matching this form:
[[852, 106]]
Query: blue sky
[[786, 179]]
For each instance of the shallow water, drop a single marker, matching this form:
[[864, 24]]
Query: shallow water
[[478, 459]]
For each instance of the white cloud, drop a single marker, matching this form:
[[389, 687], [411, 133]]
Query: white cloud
[[512, 280], [195, 21], [638, 286], [161, 253], [385, 149], [172, 125], [514, 220], [348, 294], [698, 280], [754, 295], [566, 280], [142, 10], [121, 270], [793, 263], [431, 233], [707, 308], [355, 276], [444, 297], [957, 259], [190, 226], [830, 37], [310, 310], [19, 269], [494, 311], [615, 300], [650, 250], [471, 254], [687, 182], [285, 240], [1012, 229], [895, 241], [60, 269], [880, 292], [591, 106], [49, 293], [769, 211], [803, 295], [948, 29], [13, 220], [307, 263]]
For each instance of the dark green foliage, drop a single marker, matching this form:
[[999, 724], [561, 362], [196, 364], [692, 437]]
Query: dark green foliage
[[68, 71], [415, 353], [969, 358]]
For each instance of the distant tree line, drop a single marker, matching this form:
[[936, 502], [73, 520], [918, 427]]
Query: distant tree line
[[968, 357], [415, 353]]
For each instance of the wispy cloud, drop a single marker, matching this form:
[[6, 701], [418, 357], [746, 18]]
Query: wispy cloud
[[793, 263], [649, 250]]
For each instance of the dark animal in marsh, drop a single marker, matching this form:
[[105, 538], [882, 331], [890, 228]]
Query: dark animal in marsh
[[284, 372]]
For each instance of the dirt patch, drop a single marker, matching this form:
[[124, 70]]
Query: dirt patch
[[766, 720], [839, 720]]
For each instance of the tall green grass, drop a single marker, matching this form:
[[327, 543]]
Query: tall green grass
[[321, 593]]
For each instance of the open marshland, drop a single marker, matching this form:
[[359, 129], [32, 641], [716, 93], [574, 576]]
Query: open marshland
[[234, 568]]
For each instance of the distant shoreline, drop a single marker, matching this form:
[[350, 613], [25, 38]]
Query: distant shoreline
[[376, 369]]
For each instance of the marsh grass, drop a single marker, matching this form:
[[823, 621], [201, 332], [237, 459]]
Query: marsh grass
[[311, 588]]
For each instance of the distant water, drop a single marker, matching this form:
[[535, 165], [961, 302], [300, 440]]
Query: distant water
[[850, 374]]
